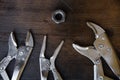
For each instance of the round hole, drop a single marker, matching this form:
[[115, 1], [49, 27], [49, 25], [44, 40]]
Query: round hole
[[58, 17]]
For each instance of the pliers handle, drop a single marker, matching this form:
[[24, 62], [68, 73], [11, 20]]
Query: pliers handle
[[101, 48]]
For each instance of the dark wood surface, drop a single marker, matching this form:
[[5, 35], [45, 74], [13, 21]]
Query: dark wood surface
[[21, 15]]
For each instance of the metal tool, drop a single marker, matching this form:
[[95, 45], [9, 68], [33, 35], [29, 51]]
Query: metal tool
[[102, 48], [58, 16], [47, 65], [20, 54]]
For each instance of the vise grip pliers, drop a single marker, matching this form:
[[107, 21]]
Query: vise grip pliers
[[20, 54], [46, 65], [102, 48]]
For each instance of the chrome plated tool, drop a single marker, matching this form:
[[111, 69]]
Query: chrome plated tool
[[20, 54], [102, 48], [46, 65]]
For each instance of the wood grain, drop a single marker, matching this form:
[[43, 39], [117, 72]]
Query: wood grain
[[21, 15]]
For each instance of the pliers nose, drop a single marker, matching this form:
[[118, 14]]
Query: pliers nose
[[49, 64], [28, 42], [13, 52], [29, 39], [89, 52], [102, 47], [22, 56], [96, 29]]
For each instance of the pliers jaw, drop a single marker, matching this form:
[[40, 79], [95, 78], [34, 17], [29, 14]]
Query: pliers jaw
[[96, 29], [89, 52], [20, 54], [46, 65], [11, 54], [43, 62], [92, 54], [29, 40], [13, 50], [23, 53], [102, 48], [12, 46]]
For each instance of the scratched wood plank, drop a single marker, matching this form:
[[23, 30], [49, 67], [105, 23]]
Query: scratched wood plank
[[35, 15]]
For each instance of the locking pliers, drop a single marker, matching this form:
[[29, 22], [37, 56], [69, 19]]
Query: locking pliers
[[20, 55], [46, 65], [102, 48]]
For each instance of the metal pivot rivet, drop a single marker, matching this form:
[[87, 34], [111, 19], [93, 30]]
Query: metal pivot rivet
[[21, 53], [1, 68], [101, 46], [27, 48], [103, 38], [100, 78], [58, 16], [108, 49], [47, 64], [9, 57], [23, 59], [97, 61]]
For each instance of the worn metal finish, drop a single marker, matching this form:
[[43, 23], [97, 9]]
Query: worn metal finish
[[101, 48], [23, 53], [22, 15], [104, 47], [46, 65], [20, 54], [11, 55], [21, 60]]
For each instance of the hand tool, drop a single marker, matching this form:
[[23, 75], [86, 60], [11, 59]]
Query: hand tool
[[46, 65], [20, 54], [101, 48]]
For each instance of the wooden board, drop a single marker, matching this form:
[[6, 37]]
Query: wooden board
[[35, 15]]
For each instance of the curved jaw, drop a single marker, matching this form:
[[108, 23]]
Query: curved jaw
[[96, 28], [12, 46], [22, 56], [91, 53], [12, 41], [29, 40], [6, 60], [88, 52], [103, 47], [14, 52]]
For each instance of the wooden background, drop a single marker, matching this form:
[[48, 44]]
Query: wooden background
[[21, 15]]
